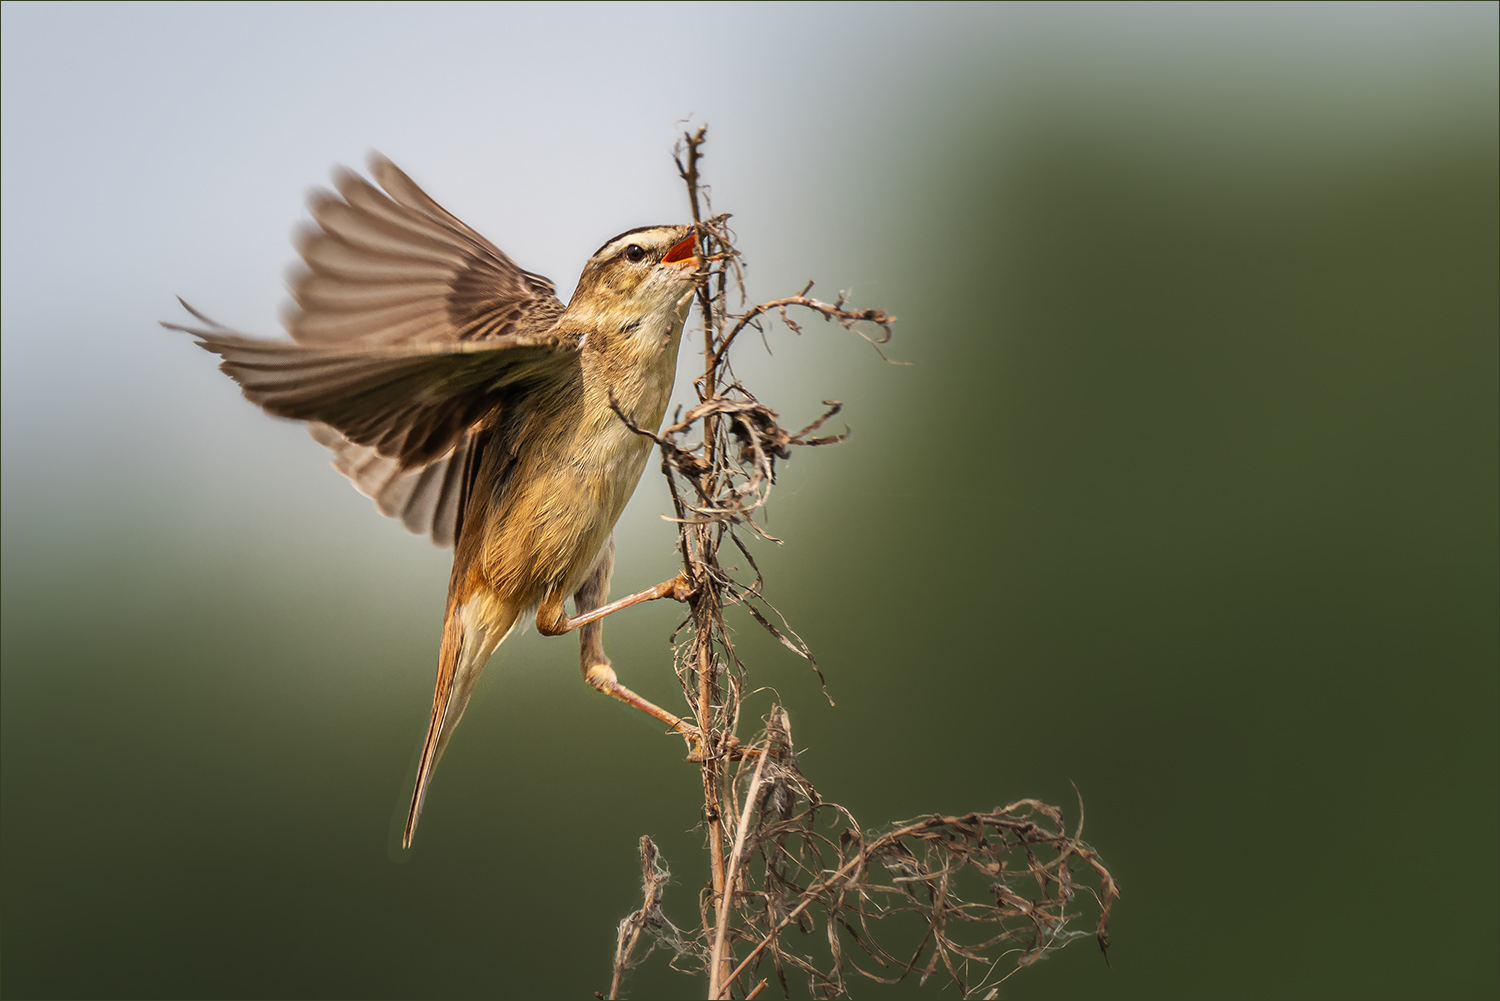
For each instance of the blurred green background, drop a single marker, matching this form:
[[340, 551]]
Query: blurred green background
[[1188, 497]]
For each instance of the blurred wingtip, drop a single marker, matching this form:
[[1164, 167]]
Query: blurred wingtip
[[398, 184], [215, 327], [197, 315]]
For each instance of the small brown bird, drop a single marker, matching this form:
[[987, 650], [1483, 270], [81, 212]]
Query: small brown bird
[[457, 391]]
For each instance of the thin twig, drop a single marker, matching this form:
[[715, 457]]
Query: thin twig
[[848, 319]]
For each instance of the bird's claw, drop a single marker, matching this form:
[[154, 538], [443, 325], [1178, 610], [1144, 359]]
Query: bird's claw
[[680, 587]]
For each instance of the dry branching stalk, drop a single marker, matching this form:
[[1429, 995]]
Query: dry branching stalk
[[972, 898]]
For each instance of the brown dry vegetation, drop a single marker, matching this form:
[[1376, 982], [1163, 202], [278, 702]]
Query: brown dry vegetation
[[800, 892]]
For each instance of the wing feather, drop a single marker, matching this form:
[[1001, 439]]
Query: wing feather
[[336, 259], [410, 403], [426, 500], [358, 228], [337, 292], [403, 190], [409, 330], [392, 266]]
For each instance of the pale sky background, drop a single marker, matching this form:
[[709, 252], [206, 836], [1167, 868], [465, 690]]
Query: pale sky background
[[157, 150], [153, 150]]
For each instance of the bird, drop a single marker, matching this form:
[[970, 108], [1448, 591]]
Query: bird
[[457, 391]]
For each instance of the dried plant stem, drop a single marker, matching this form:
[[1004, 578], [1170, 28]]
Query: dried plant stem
[[984, 886], [653, 876], [712, 808], [704, 603], [717, 980]]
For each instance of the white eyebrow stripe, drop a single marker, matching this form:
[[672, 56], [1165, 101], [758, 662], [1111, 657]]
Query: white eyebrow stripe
[[621, 244], [649, 237]]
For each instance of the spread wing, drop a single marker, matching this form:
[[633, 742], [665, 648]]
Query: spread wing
[[409, 328], [393, 266], [412, 404]]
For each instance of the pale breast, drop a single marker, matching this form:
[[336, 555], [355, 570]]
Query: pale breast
[[566, 493]]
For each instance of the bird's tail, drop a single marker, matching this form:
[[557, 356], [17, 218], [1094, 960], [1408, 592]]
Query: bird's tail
[[471, 632]]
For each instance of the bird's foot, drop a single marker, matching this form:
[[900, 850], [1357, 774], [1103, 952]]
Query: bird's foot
[[679, 588], [602, 678]]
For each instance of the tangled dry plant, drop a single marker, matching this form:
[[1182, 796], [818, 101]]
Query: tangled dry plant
[[798, 889]]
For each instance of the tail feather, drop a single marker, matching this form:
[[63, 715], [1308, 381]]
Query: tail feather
[[471, 632]]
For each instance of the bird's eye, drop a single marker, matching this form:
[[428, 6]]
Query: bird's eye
[[635, 253]]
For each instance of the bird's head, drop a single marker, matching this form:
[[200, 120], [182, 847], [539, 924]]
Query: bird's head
[[637, 277]]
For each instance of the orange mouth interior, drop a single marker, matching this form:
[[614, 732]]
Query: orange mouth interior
[[683, 251]]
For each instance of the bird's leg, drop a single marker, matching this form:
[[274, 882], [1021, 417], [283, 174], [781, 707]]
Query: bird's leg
[[678, 589], [552, 619]]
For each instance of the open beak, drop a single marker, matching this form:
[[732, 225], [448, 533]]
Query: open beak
[[686, 250]]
